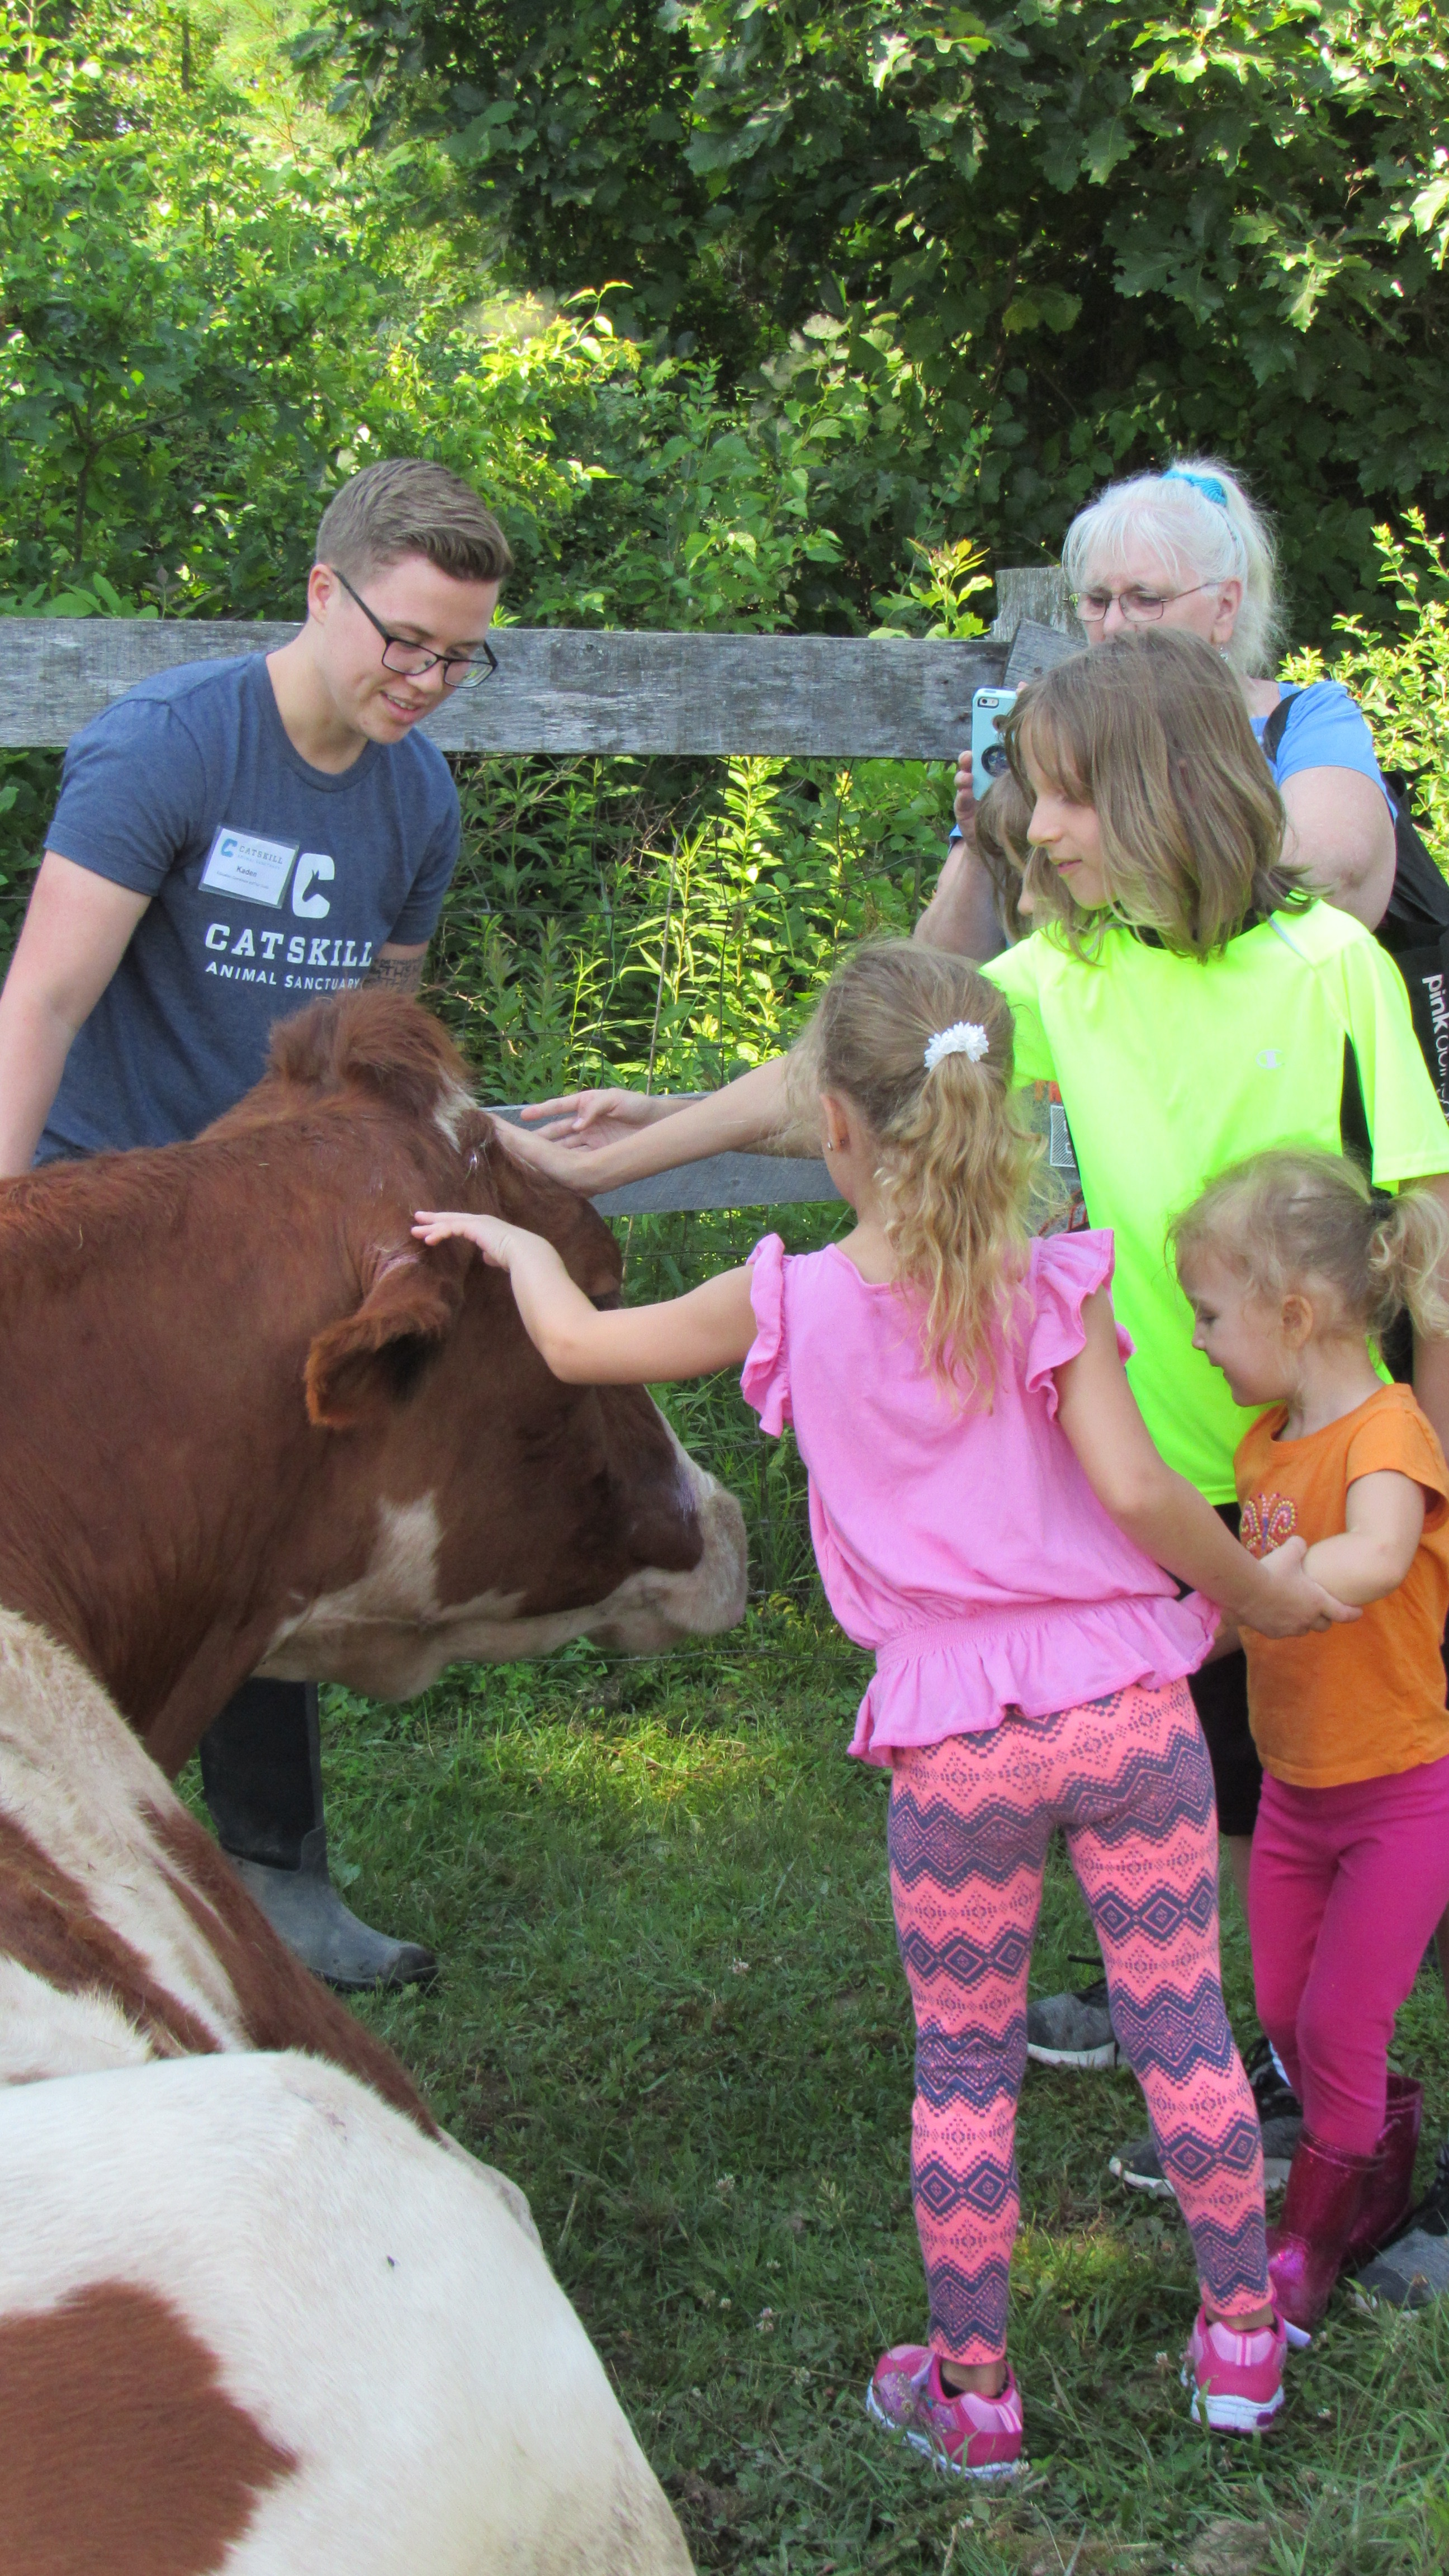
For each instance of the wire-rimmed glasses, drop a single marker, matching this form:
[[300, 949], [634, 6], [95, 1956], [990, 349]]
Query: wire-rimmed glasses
[[1139, 607]]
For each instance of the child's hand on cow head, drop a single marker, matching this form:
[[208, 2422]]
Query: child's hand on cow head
[[492, 1235]]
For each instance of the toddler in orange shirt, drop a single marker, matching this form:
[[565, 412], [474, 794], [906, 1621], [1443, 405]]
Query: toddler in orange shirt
[[1293, 1268]]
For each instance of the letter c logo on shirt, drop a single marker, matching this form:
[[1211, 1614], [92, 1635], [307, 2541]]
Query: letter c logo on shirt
[[314, 868]]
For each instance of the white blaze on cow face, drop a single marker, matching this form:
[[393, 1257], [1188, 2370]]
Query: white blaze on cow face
[[454, 1105], [390, 1634]]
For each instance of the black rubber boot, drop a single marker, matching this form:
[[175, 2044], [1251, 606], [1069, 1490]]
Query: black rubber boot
[[261, 1770]]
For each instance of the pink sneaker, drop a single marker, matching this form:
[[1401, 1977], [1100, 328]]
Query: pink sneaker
[[975, 2437], [1236, 2379]]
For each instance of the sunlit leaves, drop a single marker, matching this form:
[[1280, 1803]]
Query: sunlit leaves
[[1087, 230]]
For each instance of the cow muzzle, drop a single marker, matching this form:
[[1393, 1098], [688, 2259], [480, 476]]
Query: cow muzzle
[[653, 1609]]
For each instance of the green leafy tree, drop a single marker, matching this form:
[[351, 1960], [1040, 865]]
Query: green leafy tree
[[1400, 673], [1082, 233], [193, 327], [208, 324]]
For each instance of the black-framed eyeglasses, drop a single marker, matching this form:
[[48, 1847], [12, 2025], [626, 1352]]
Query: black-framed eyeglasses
[[410, 661]]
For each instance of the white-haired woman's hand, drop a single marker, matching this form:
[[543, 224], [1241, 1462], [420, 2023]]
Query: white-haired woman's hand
[[961, 915], [574, 1166], [589, 1118]]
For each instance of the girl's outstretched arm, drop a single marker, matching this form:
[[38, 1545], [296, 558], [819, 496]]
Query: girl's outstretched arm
[[1166, 1515], [748, 1115], [627, 1346]]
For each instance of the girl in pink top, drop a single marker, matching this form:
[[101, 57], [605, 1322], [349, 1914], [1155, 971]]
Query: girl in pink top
[[990, 1516]]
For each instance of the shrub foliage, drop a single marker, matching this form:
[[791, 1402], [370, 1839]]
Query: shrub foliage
[[1065, 236]]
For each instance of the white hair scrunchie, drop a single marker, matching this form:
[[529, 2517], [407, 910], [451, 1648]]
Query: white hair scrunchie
[[964, 1037]]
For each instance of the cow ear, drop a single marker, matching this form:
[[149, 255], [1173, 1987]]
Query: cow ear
[[372, 1359]]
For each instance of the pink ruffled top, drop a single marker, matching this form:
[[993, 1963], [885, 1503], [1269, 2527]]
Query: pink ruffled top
[[964, 1545]]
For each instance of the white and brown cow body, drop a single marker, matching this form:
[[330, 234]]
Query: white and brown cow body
[[253, 2317], [255, 2313]]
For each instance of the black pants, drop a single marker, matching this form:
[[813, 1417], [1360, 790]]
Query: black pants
[[1220, 1696], [261, 1770]]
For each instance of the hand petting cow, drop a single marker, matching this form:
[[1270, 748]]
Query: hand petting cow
[[255, 2312]]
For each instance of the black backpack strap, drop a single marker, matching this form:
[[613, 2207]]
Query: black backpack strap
[[1418, 907], [1397, 1343], [1277, 725], [1353, 1126]]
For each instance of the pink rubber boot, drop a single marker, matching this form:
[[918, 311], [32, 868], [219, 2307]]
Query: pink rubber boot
[[1306, 2249], [1390, 2192]]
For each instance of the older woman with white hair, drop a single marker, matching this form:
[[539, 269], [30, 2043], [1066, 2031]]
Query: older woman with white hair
[[1188, 548]]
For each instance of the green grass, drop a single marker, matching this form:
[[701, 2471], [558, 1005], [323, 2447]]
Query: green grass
[[671, 2008]]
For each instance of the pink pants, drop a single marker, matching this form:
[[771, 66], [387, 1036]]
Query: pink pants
[[1346, 1887]]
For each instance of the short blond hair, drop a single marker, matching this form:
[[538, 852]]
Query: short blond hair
[[1151, 731], [409, 506], [1294, 1219], [955, 1161]]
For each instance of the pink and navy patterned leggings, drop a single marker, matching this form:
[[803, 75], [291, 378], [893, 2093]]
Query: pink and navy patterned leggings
[[1128, 1779]]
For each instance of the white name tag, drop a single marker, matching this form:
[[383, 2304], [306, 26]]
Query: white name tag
[[244, 864]]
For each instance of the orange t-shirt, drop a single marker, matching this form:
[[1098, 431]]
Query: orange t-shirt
[[1361, 1700]]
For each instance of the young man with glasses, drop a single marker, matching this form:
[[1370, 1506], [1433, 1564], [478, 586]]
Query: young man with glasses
[[234, 838]]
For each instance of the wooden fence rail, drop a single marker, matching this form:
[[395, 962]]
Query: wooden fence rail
[[573, 689]]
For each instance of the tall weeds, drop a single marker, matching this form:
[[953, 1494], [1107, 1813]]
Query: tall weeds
[[666, 924]]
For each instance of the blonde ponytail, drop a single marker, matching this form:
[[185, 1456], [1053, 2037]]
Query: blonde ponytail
[[1289, 1219], [955, 1164], [1407, 1252]]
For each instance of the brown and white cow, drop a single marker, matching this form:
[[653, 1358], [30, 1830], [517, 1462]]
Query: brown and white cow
[[255, 2312]]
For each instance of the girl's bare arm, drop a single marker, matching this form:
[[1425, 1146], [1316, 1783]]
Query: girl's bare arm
[[1166, 1515], [746, 1114], [1371, 1557], [688, 1336]]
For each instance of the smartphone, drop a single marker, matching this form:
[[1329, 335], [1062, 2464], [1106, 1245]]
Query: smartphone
[[988, 759]]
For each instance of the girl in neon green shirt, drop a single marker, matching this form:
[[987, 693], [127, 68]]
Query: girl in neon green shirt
[[1195, 1005], [1184, 991]]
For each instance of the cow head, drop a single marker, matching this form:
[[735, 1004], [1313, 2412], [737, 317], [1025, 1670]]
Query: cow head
[[505, 1512]]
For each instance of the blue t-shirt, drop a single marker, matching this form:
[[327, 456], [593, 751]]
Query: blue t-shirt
[[1326, 729], [270, 882]]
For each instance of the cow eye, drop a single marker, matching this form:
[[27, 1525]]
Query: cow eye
[[609, 1303]]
